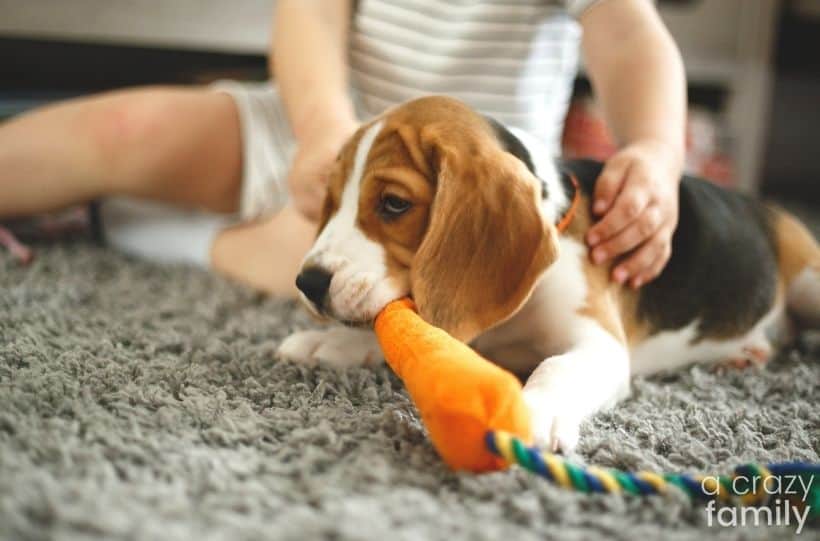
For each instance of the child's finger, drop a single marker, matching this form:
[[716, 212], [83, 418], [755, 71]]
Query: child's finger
[[631, 237], [654, 270], [641, 261], [628, 206], [608, 185]]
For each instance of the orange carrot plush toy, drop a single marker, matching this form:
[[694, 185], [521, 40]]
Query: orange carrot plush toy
[[459, 394]]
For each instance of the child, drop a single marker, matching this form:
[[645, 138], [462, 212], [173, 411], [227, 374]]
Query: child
[[251, 159]]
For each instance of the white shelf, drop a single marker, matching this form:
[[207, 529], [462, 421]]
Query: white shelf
[[729, 42], [239, 26], [720, 72]]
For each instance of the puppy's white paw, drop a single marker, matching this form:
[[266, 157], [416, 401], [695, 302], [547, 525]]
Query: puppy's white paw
[[555, 423], [340, 347]]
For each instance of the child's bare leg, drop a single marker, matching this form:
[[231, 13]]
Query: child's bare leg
[[180, 146], [176, 145], [266, 254]]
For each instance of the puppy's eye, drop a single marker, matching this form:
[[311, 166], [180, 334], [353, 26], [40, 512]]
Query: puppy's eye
[[392, 206]]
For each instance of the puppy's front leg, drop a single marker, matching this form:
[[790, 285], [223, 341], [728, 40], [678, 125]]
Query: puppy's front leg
[[565, 389], [336, 346]]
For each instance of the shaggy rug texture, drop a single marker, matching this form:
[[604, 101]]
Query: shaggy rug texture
[[144, 402]]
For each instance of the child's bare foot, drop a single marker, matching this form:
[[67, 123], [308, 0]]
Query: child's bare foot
[[266, 254], [18, 250], [16, 233]]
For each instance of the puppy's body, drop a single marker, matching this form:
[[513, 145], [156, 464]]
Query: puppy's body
[[502, 276], [722, 280]]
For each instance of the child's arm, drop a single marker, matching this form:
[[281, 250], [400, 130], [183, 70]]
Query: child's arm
[[637, 72], [309, 59]]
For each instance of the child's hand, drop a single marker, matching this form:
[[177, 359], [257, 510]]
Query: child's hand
[[311, 165], [637, 195]]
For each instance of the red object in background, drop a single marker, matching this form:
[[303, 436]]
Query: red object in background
[[587, 136], [719, 169], [705, 155], [585, 132]]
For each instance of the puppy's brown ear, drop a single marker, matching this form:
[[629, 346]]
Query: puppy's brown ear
[[486, 243]]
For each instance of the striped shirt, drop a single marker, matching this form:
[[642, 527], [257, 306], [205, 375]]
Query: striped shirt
[[514, 60]]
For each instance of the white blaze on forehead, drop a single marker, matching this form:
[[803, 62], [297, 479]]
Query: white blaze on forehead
[[341, 241], [360, 286]]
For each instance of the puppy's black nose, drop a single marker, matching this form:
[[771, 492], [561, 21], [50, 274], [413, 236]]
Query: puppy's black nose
[[314, 283]]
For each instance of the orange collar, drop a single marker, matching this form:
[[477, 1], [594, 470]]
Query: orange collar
[[565, 220]]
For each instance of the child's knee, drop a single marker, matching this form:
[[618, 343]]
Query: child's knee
[[172, 144], [126, 131]]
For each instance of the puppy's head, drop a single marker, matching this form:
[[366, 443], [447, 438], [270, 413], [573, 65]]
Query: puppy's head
[[426, 201]]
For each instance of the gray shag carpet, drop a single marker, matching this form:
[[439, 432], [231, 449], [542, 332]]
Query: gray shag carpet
[[144, 402]]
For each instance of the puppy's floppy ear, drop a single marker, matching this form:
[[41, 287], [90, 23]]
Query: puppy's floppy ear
[[486, 243]]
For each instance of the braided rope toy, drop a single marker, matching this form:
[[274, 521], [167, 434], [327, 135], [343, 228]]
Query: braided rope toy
[[733, 488], [478, 421]]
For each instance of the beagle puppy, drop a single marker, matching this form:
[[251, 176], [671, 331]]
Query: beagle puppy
[[486, 232]]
